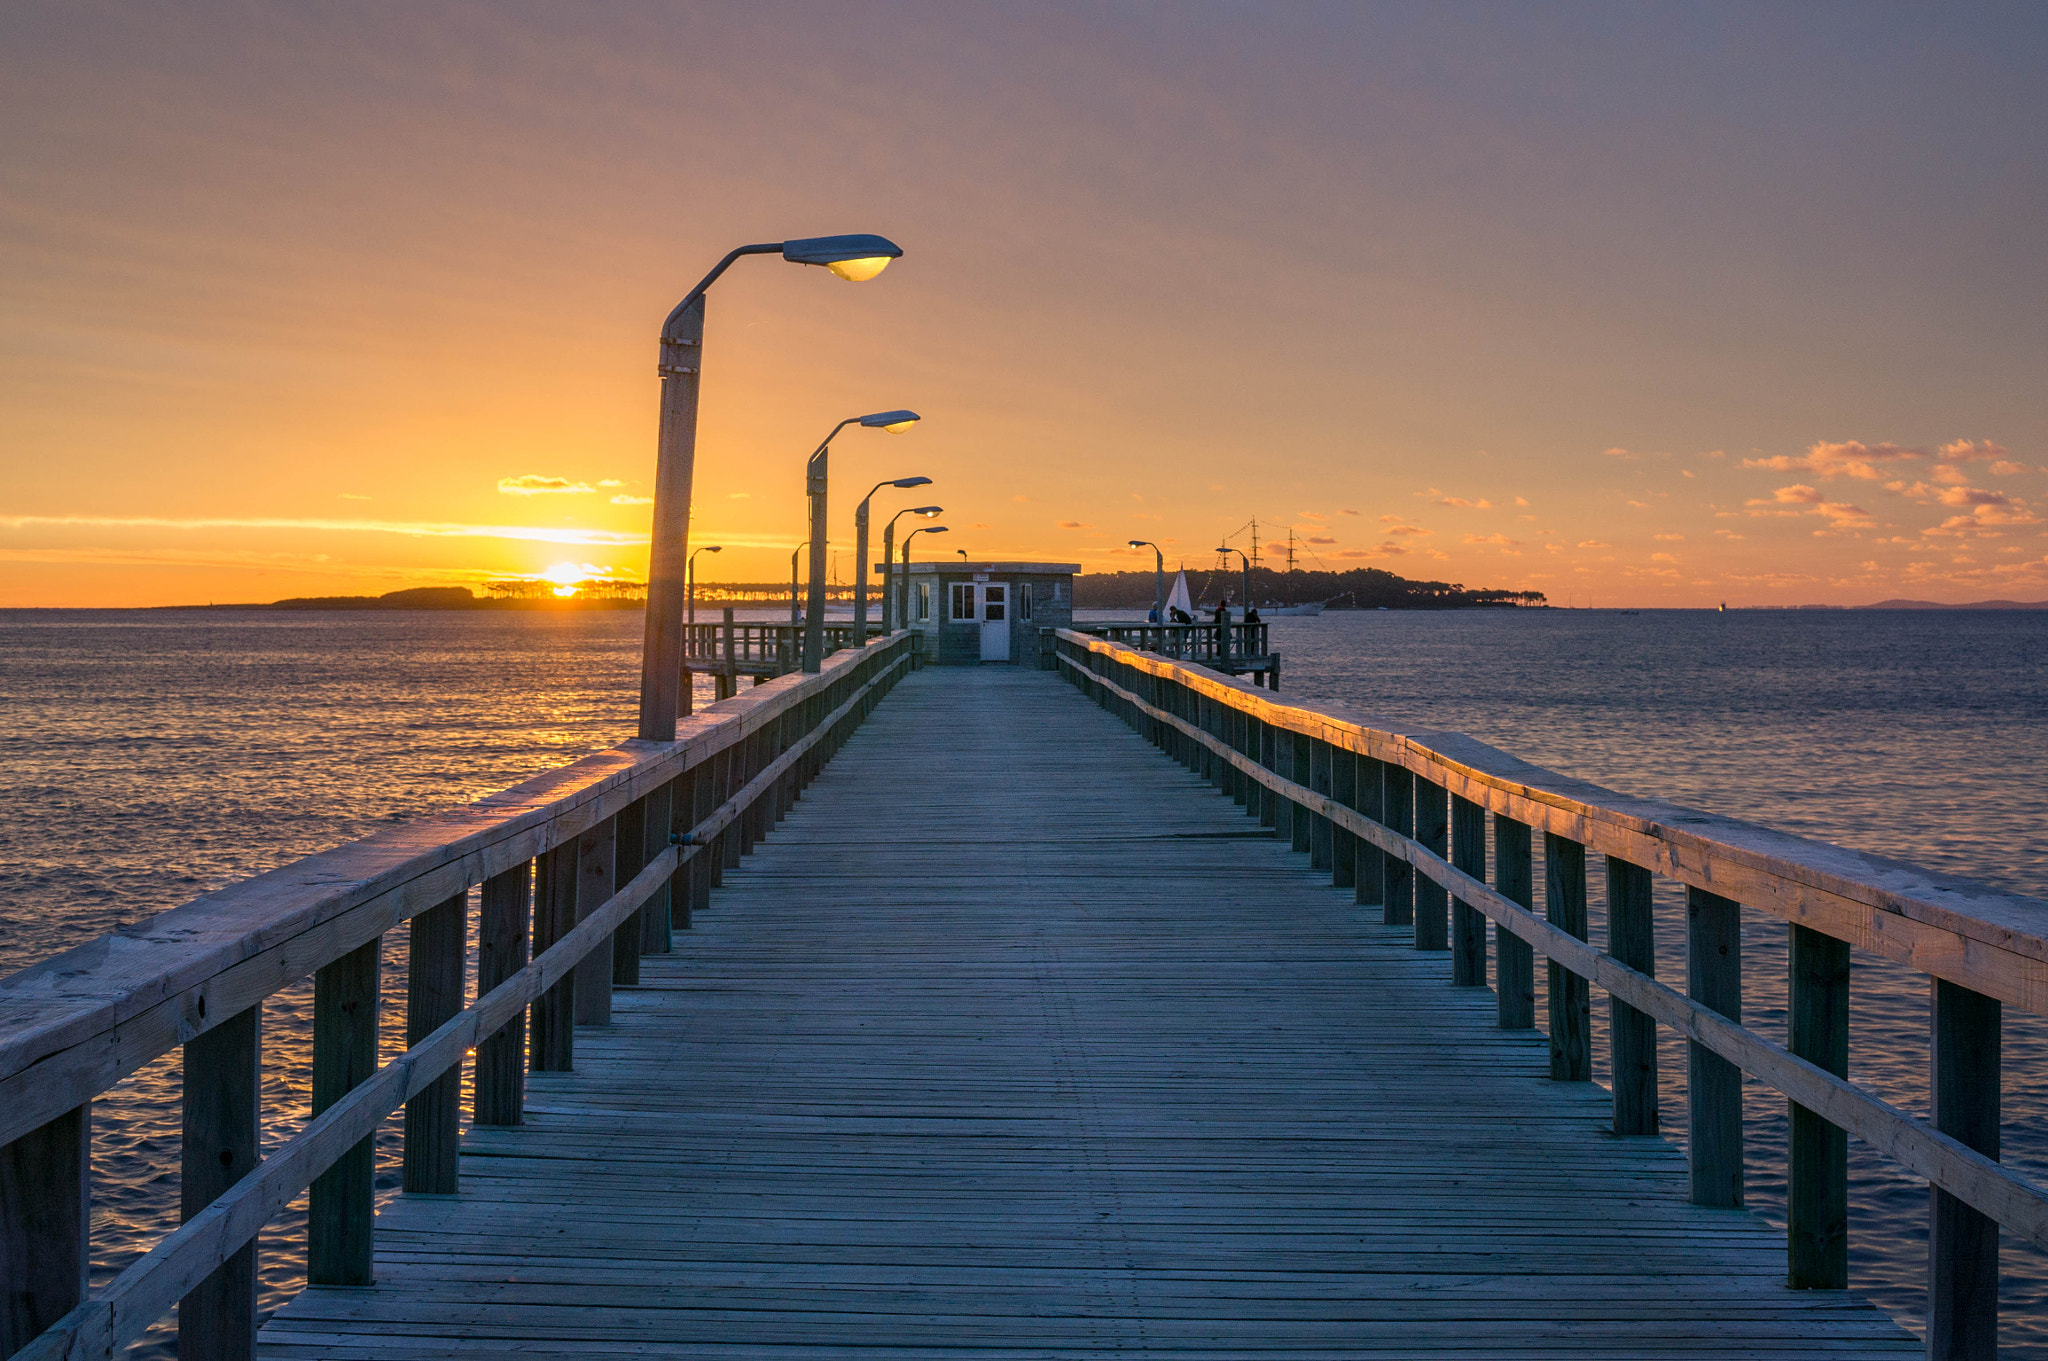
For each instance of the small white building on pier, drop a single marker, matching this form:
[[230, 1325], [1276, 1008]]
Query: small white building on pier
[[972, 612]]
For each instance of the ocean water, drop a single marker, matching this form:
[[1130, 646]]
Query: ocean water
[[146, 757]]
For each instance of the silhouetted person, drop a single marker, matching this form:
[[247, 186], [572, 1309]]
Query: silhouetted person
[[1223, 628]]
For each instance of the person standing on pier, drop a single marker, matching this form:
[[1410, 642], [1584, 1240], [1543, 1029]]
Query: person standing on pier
[[1223, 629]]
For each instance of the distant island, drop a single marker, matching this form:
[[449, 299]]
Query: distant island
[[1364, 588], [433, 598], [1938, 605]]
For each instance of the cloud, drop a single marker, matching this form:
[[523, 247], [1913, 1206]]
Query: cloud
[[1972, 496], [1074, 524], [1620, 453], [1669, 538], [623, 500], [1521, 500], [1973, 451], [1348, 512], [1827, 459], [1501, 539], [1312, 515], [353, 496], [1405, 531], [1385, 550], [1594, 543], [533, 484], [1663, 557], [1455, 502], [1319, 539], [739, 495], [611, 482], [426, 529], [1798, 494]]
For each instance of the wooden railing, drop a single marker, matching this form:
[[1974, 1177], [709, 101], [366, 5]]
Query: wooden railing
[[1236, 647], [592, 863], [737, 647], [1402, 819]]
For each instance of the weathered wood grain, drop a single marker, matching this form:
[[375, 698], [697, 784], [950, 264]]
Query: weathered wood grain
[[434, 980], [221, 1095], [1817, 1161]]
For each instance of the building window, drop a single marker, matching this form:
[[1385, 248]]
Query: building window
[[1024, 594], [924, 601], [1059, 591], [963, 600]]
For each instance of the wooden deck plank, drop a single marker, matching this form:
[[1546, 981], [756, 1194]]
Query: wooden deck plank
[[1016, 1040]]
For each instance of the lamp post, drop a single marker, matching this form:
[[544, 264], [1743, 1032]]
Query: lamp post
[[794, 593], [923, 529], [1222, 632], [962, 552], [895, 611], [1158, 579], [860, 568], [855, 258], [692, 591], [895, 422]]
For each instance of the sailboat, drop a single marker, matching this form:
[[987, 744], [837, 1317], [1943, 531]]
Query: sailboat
[[1179, 599]]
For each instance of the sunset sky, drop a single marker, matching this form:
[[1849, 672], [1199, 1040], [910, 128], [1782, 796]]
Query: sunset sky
[[1634, 305]]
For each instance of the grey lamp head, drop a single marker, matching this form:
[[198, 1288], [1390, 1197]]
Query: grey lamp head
[[911, 482], [856, 258], [895, 422], [926, 511], [931, 529], [1141, 543], [712, 548]]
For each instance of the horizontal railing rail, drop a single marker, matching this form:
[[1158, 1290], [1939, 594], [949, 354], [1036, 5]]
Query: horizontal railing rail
[[1401, 817], [608, 853], [1230, 646]]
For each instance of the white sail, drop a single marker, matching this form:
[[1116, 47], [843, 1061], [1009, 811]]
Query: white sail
[[1178, 598]]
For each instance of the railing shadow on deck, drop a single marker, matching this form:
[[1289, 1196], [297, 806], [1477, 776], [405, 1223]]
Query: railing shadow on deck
[[593, 863], [1402, 818]]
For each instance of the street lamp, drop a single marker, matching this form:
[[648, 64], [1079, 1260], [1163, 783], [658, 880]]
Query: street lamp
[[894, 599], [682, 341], [923, 529], [794, 594], [860, 567], [962, 552], [692, 592], [1226, 548], [1158, 579], [895, 422]]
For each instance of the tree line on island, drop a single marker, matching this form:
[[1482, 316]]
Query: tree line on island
[[1363, 588]]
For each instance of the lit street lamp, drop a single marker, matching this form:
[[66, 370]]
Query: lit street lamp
[[860, 566], [692, 592], [895, 422], [922, 529], [1226, 548], [895, 604], [1158, 579], [682, 341]]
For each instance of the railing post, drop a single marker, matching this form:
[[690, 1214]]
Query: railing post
[[44, 1209], [552, 1048], [438, 942], [1632, 941], [503, 911], [629, 854], [1571, 1000], [596, 870], [1817, 1183], [1371, 889], [1713, 978], [1300, 833], [1514, 959], [222, 1094], [343, 1202], [655, 821], [1319, 779], [1433, 830], [1468, 924], [1397, 813], [1962, 1244], [1343, 842], [1271, 805]]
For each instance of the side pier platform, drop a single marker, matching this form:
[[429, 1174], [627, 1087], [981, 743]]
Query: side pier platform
[[1015, 1039]]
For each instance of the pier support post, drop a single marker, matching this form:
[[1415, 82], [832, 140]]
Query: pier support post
[[343, 1202], [501, 939], [1397, 876], [1713, 978], [1632, 941], [1571, 1002], [44, 1207], [438, 941], [222, 1092], [1962, 1244], [1468, 924], [1514, 965], [1433, 830], [1817, 1190]]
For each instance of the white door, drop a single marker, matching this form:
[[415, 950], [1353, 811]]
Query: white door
[[995, 622]]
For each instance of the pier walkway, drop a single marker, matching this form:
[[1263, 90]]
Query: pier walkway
[[1016, 1039]]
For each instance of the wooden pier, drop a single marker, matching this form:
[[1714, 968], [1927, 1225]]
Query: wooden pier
[[941, 1014]]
